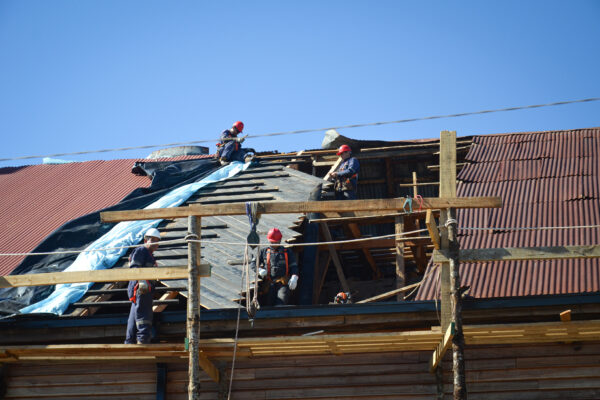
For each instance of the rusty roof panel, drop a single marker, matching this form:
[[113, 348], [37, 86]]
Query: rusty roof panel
[[529, 169], [524, 278], [37, 199], [545, 179]]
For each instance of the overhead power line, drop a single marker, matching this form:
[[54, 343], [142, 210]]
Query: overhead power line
[[400, 121]]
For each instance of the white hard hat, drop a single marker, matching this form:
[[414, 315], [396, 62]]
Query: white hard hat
[[152, 232]]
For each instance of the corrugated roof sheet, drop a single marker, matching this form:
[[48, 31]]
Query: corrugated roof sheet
[[37, 199], [545, 179]]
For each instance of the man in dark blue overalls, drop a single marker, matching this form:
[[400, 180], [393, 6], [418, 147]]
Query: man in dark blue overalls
[[229, 147], [139, 324], [346, 176], [278, 268]]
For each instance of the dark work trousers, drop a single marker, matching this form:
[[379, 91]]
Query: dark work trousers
[[279, 294], [229, 152], [139, 324], [345, 195]]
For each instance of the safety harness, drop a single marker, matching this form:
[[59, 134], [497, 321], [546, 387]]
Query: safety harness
[[287, 265], [222, 142], [135, 289]]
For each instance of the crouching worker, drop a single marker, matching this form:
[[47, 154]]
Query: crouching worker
[[139, 324], [278, 269], [229, 147]]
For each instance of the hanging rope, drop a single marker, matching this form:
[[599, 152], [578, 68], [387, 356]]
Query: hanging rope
[[252, 305]]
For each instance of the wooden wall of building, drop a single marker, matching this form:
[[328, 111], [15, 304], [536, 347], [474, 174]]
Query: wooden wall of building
[[551, 371], [518, 372], [101, 380]]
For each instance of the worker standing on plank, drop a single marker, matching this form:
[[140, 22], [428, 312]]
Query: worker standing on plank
[[140, 293], [346, 176], [278, 268], [229, 147]]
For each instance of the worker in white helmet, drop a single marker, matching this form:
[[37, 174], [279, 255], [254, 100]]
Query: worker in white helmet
[[139, 324]]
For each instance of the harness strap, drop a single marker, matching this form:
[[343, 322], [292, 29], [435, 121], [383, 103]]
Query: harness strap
[[287, 265]]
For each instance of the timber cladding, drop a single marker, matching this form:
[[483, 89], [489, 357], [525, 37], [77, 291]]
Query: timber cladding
[[549, 371]]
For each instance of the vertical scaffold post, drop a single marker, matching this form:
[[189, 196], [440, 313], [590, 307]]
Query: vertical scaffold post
[[458, 340], [450, 278], [193, 308]]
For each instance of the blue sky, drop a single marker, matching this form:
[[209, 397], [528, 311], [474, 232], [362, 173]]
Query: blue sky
[[87, 75]]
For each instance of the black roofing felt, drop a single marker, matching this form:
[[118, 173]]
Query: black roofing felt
[[225, 236]]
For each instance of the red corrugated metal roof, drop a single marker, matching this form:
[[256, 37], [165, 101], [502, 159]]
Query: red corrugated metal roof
[[544, 179], [38, 199]]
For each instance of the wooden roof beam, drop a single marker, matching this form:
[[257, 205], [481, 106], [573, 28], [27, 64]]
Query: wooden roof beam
[[104, 275], [520, 253], [296, 207]]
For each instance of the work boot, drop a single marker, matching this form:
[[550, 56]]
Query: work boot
[[223, 161]]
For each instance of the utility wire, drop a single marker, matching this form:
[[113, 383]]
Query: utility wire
[[399, 237], [400, 121]]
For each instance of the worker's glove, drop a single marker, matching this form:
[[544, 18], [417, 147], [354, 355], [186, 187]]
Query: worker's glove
[[293, 282], [143, 287], [262, 272]]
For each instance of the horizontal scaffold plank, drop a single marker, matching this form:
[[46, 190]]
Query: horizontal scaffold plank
[[520, 253], [104, 275], [294, 207], [424, 340]]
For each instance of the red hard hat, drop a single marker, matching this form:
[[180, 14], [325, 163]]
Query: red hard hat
[[343, 148], [239, 126], [274, 235], [342, 296]]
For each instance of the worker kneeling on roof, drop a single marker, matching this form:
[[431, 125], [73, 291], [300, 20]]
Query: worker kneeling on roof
[[278, 268], [139, 324], [346, 176], [229, 147]]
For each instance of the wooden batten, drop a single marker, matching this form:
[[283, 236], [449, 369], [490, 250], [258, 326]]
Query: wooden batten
[[521, 253], [104, 275], [292, 207]]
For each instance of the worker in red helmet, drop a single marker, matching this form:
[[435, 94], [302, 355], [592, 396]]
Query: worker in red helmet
[[346, 176], [229, 147], [278, 269]]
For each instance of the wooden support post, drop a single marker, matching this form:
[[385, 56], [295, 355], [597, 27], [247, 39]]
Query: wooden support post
[[400, 271], [450, 277], [458, 341], [434, 233], [447, 189], [335, 258], [193, 311], [440, 350], [415, 191]]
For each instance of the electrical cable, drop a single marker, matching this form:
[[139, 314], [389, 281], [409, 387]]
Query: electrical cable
[[295, 132]]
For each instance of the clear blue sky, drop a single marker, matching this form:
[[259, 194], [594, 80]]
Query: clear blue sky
[[85, 75]]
